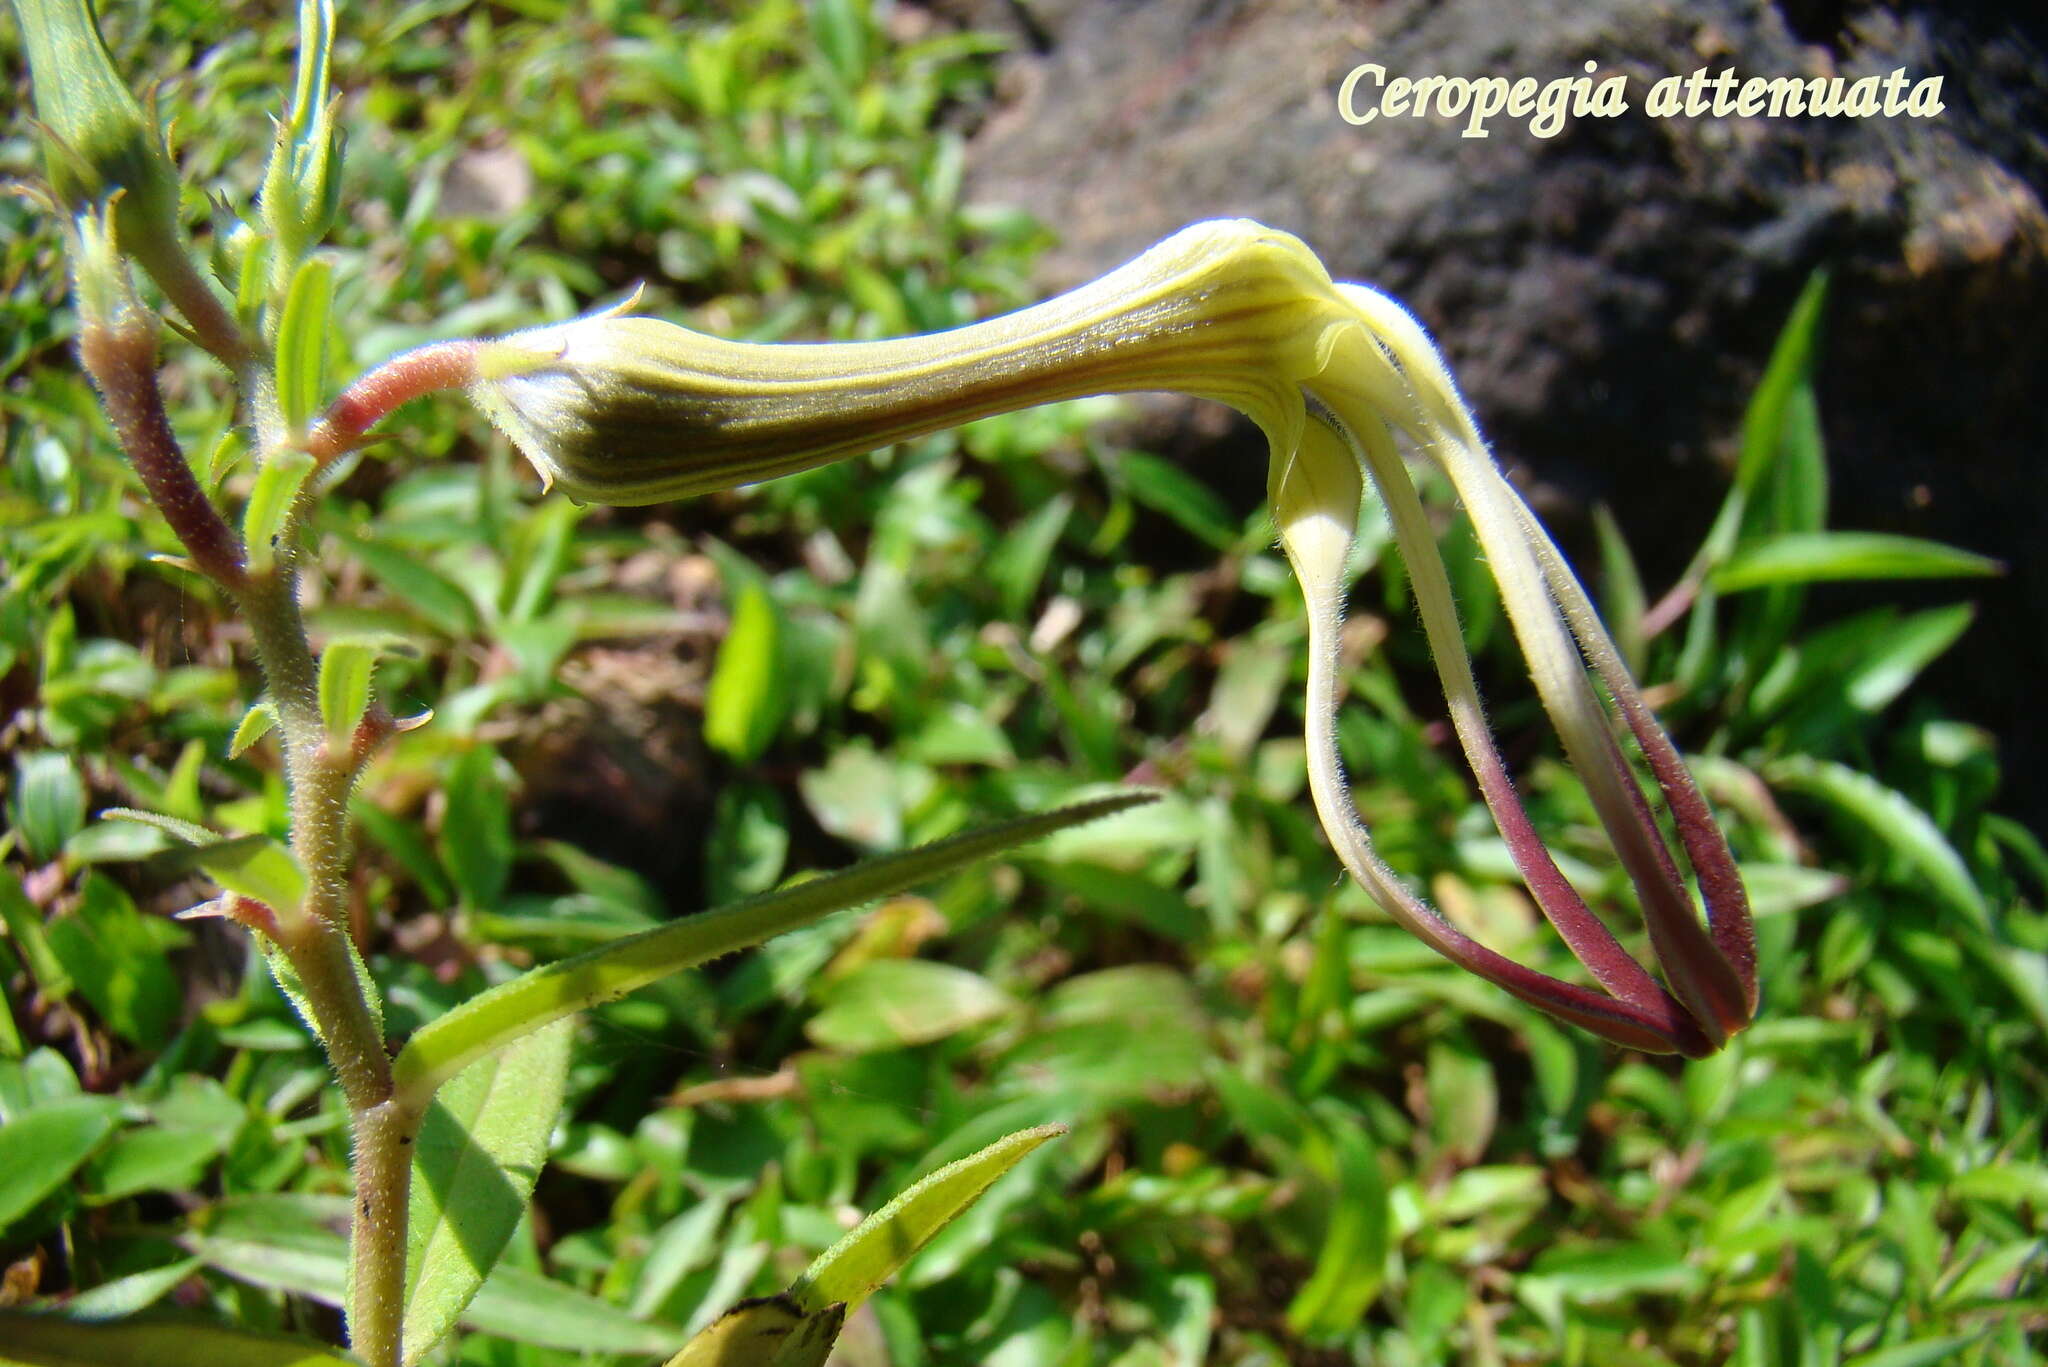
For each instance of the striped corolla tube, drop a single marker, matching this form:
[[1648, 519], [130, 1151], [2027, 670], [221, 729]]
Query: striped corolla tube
[[630, 410]]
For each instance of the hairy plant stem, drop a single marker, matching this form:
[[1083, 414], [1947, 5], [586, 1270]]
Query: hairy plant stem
[[316, 943]]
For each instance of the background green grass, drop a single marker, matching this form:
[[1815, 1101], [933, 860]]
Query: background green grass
[[1297, 1136]]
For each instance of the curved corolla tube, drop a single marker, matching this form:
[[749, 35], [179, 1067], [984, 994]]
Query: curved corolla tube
[[626, 410]]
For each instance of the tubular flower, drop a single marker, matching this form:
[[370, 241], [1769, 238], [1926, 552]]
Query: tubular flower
[[626, 410]]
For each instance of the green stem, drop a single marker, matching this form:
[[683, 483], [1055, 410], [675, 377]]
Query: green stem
[[384, 1137], [316, 942]]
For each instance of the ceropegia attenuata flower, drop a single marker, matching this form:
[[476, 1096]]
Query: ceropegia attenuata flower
[[620, 409]]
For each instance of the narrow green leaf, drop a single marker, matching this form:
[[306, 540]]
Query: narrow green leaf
[[301, 186], [12, 1045], [479, 1151], [848, 1272], [1600, 1273], [256, 723], [745, 701], [1765, 428], [55, 1341], [287, 979], [344, 689], [840, 29], [1897, 658], [270, 502], [154, 1158], [1815, 557], [1791, 363], [493, 1019], [1799, 476], [40, 1150], [302, 341], [527, 1307]]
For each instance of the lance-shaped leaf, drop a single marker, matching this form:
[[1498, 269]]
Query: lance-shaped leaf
[[479, 1151], [848, 1272], [494, 1019]]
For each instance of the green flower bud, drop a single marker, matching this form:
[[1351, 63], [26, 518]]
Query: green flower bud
[[99, 139]]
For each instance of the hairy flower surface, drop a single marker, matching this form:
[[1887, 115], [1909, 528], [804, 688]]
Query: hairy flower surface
[[627, 410]]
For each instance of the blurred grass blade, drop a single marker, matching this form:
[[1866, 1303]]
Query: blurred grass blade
[[422, 589], [1622, 601], [1903, 652], [480, 1149], [1929, 1352], [476, 830], [840, 28], [52, 1341], [848, 1272], [1818, 557], [1353, 1259], [745, 701], [1017, 565], [130, 1295], [503, 1014], [1169, 490], [1903, 829], [543, 548]]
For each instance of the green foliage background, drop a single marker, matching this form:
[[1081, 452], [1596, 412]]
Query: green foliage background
[[1297, 1136]]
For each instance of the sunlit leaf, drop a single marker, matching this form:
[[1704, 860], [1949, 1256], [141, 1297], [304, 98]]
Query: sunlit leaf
[[474, 1165], [848, 1272], [1815, 557]]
